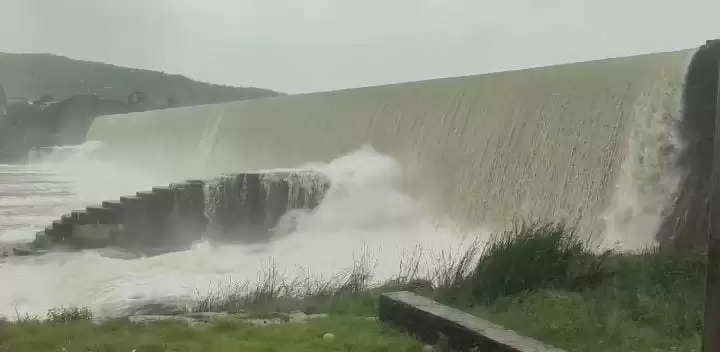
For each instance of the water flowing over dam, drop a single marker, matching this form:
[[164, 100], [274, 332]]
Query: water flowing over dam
[[623, 146], [619, 145]]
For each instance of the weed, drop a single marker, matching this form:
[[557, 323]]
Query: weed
[[529, 256], [65, 315]]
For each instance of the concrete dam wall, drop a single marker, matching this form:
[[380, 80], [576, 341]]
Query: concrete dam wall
[[234, 207], [617, 145]]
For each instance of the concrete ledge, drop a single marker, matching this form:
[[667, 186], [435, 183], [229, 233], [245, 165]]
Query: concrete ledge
[[174, 217], [101, 215], [93, 235], [432, 322]]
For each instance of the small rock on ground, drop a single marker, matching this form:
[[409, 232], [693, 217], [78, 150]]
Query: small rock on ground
[[201, 318], [147, 319]]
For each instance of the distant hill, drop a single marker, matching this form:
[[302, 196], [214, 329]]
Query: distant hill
[[35, 75], [53, 100]]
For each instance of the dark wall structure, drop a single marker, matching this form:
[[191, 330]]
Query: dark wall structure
[[32, 124], [451, 329], [687, 222], [3, 103], [236, 207], [74, 116]]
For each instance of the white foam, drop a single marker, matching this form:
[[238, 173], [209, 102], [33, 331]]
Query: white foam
[[363, 213]]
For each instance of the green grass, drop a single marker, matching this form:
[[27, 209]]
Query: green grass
[[542, 282], [585, 322], [530, 256], [352, 334], [365, 305], [538, 279]]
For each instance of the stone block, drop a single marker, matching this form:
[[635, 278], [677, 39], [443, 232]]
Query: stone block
[[93, 235], [273, 199], [61, 229], [101, 215], [135, 221], [125, 200], [80, 217], [435, 323], [161, 190], [67, 219], [111, 204], [233, 208], [145, 194], [42, 240], [186, 219], [50, 232], [115, 208]]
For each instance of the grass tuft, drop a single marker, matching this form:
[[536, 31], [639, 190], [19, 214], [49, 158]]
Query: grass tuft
[[529, 256], [275, 292]]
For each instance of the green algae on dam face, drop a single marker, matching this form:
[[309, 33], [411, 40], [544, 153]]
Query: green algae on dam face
[[590, 141]]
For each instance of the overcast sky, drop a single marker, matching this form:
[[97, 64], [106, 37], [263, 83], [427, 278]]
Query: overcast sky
[[313, 45]]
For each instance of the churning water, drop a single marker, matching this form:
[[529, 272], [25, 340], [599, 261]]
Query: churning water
[[349, 223]]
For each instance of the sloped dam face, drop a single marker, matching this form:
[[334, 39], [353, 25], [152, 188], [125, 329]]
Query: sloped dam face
[[622, 146]]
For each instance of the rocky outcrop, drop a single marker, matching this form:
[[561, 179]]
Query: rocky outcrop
[[237, 207]]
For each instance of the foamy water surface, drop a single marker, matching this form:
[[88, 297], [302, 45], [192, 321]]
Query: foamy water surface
[[363, 214]]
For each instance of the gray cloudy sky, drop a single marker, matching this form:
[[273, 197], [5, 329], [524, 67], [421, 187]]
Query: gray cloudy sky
[[311, 45]]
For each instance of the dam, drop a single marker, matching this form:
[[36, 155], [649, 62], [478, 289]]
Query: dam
[[619, 147]]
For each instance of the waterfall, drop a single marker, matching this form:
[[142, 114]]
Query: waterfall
[[239, 206], [595, 144]]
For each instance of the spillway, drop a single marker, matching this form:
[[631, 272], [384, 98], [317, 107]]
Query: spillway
[[618, 146]]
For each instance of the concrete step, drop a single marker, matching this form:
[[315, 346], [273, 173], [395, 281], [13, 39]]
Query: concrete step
[[438, 324]]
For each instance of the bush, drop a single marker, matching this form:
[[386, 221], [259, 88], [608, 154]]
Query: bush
[[274, 291], [653, 301], [673, 268], [664, 288], [65, 315], [530, 256]]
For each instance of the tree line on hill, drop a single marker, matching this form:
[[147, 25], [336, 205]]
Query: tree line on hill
[[51, 100]]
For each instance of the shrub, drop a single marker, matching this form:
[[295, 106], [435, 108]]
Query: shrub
[[526, 257], [65, 315], [671, 268], [664, 288], [25, 318]]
